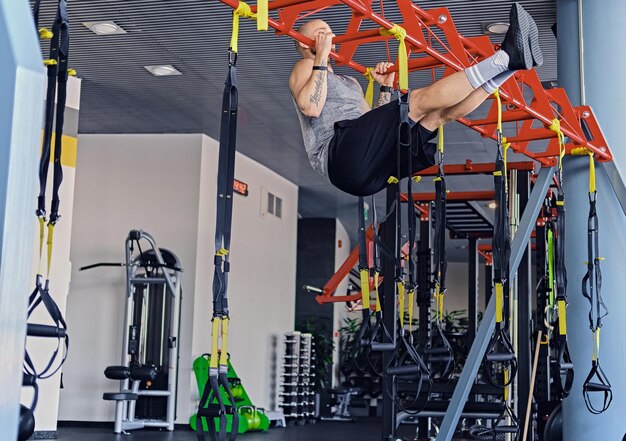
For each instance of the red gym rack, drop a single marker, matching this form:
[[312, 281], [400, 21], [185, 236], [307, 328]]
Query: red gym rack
[[532, 117]]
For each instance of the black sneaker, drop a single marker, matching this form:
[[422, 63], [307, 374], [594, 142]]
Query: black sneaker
[[517, 39], [535, 48]]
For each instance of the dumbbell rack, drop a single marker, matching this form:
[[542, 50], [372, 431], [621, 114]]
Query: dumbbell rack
[[297, 398]]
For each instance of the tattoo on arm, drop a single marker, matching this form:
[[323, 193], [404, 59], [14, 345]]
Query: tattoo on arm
[[319, 84], [383, 98]]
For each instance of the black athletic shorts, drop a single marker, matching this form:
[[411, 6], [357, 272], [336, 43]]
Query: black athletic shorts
[[362, 154]]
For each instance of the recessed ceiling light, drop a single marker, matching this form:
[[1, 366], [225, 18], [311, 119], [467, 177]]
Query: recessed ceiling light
[[492, 205], [163, 70], [104, 27], [495, 28]]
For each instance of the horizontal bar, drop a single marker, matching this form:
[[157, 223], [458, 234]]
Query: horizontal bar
[[453, 196]]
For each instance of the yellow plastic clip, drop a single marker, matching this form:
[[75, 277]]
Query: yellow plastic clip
[[221, 252], [71, 72], [262, 13], [45, 34], [417, 178], [50, 62], [392, 180], [403, 60], [369, 92]]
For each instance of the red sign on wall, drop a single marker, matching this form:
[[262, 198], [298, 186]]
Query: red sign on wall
[[240, 187]]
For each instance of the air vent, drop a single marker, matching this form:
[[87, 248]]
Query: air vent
[[271, 205]]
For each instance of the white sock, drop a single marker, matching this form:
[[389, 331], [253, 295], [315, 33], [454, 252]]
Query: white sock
[[491, 85], [487, 69]]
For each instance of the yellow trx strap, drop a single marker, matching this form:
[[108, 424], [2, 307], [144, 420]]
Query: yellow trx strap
[[244, 10], [592, 166], [401, 306], [369, 92], [499, 302], [403, 60], [215, 332], [505, 144], [49, 243], [440, 140], [596, 345], [376, 283], [592, 174], [561, 305], [262, 15], [556, 127], [411, 300], [42, 236], [365, 288]]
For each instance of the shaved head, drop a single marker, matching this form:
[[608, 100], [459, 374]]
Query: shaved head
[[310, 29]]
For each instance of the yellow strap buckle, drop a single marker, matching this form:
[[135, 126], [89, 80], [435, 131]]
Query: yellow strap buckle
[[50, 62], [392, 180], [221, 252], [45, 34]]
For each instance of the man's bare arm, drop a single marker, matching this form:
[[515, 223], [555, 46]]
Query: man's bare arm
[[308, 86]]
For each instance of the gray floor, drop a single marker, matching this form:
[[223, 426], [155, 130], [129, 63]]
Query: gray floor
[[321, 431]]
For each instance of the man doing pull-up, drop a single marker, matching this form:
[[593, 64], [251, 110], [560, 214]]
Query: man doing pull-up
[[355, 146]]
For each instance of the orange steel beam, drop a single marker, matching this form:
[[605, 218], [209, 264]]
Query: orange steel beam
[[427, 50], [470, 168], [487, 195]]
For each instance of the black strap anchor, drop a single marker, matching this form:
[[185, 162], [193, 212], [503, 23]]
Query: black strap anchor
[[562, 365], [439, 353], [218, 361], [596, 380]]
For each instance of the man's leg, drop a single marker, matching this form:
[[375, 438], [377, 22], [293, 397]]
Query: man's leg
[[434, 119], [453, 89]]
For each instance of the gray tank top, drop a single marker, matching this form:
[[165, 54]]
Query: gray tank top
[[343, 101]]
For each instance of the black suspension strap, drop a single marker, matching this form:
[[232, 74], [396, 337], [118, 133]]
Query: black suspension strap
[[406, 364], [596, 380], [501, 362], [562, 365], [500, 356], [216, 414], [57, 73], [440, 354]]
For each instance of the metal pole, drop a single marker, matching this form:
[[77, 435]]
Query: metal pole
[[21, 109], [487, 325], [472, 282], [524, 308], [389, 313], [425, 262]]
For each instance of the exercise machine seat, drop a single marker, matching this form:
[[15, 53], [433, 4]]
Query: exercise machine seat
[[119, 396]]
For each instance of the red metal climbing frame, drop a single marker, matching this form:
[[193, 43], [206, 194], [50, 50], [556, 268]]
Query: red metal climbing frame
[[433, 41]]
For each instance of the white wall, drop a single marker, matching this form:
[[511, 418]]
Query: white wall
[[263, 272], [39, 349], [165, 184], [339, 311]]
